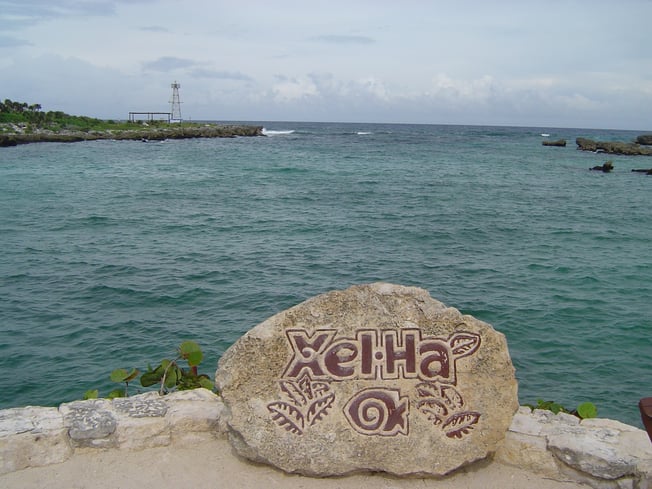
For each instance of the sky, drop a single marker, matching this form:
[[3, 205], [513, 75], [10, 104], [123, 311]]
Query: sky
[[554, 63]]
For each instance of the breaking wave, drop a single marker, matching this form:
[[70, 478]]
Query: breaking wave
[[268, 132]]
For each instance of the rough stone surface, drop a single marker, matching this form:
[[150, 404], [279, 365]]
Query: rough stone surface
[[90, 423], [378, 377], [602, 453], [31, 437]]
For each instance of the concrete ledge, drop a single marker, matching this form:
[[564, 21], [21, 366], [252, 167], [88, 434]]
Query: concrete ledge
[[37, 436], [601, 453]]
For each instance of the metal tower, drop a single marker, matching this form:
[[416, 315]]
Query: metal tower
[[175, 103]]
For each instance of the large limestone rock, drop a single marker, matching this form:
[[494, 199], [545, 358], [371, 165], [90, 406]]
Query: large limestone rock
[[377, 377], [601, 453]]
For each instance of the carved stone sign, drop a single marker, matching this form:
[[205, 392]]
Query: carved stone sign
[[378, 377]]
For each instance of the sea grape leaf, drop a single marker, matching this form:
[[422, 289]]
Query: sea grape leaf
[[172, 377], [194, 358], [587, 410], [132, 375], [151, 378], [91, 394], [206, 383], [119, 375], [116, 393], [191, 352]]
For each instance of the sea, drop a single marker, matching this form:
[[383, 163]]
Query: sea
[[114, 252]]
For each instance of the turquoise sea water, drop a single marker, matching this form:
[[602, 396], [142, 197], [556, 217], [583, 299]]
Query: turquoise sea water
[[115, 252]]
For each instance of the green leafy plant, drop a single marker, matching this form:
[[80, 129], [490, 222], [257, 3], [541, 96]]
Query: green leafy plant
[[121, 375], [583, 411], [169, 374], [587, 410]]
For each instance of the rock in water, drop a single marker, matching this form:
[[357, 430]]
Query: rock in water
[[377, 377]]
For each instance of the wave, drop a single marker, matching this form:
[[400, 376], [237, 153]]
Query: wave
[[363, 133], [268, 132]]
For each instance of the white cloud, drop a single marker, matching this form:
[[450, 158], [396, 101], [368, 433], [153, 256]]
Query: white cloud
[[290, 90]]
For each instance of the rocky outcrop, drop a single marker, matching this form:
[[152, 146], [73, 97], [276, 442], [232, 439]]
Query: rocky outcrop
[[605, 168], [645, 139], [558, 142], [601, 453], [370, 378], [156, 133], [647, 171], [585, 144]]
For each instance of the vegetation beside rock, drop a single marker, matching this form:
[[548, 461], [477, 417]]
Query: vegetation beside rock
[[22, 123]]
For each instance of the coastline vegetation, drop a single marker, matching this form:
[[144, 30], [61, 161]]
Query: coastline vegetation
[[583, 411], [22, 123], [168, 374], [31, 117]]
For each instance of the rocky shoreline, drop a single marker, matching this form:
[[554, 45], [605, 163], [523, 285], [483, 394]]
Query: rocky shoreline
[[617, 147], [146, 133]]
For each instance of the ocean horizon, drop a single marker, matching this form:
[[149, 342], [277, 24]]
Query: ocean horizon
[[114, 252]]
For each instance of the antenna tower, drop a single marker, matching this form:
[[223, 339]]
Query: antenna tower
[[175, 103]]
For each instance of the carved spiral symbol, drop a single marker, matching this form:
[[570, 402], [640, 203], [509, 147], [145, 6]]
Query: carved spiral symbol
[[378, 412], [371, 413]]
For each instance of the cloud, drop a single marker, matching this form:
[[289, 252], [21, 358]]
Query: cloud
[[154, 28], [12, 42], [15, 14], [168, 63], [338, 39], [464, 91], [292, 89], [219, 75], [38, 10]]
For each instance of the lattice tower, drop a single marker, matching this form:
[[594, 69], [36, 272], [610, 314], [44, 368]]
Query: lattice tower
[[175, 103]]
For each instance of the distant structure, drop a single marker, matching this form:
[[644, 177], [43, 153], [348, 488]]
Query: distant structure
[[175, 103]]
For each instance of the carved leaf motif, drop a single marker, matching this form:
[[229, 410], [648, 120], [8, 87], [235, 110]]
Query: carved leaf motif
[[305, 384], [287, 416], [452, 398], [463, 344], [293, 392], [320, 388], [319, 408], [460, 424], [426, 389], [434, 410]]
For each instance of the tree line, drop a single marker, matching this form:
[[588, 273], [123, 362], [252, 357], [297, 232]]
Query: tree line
[[11, 111]]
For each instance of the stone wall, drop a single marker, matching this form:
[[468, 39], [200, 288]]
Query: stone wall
[[602, 453]]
